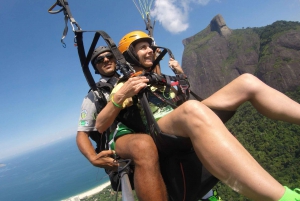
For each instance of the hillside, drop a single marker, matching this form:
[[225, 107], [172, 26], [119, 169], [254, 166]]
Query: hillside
[[217, 55]]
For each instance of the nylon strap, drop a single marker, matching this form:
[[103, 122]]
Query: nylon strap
[[152, 124], [68, 15], [85, 59], [161, 55]]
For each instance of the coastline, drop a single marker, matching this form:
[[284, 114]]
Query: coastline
[[89, 192]]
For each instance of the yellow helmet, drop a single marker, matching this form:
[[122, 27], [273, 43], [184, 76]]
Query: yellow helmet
[[131, 37]]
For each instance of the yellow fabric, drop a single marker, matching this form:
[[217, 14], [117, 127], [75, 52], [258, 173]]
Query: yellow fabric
[[127, 102]]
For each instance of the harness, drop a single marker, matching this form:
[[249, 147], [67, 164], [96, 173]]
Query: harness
[[100, 103]]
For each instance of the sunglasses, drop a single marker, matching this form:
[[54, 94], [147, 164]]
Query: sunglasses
[[100, 59]]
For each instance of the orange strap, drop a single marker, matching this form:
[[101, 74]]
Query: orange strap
[[136, 74]]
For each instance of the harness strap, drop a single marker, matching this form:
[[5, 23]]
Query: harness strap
[[68, 15], [161, 55], [152, 124], [196, 96], [168, 84], [85, 59]]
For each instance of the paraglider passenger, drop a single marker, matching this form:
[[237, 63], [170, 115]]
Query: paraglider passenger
[[199, 127]]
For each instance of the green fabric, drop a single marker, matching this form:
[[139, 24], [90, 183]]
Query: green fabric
[[290, 195], [158, 112], [118, 132], [214, 197]]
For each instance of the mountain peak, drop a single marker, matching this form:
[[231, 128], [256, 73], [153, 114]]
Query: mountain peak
[[218, 24]]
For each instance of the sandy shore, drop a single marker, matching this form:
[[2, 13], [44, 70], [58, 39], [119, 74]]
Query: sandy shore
[[89, 193]]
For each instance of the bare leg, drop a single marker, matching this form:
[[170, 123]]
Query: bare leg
[[268, 101], [220, 152], [148, 181]]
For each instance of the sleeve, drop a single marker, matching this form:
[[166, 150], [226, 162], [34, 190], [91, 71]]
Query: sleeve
[[88, 114]]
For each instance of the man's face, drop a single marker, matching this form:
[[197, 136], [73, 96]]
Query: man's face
[[106, 64], [145, 53]]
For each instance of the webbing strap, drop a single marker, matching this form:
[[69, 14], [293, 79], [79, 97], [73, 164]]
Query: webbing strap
[[152, 124], [196, 96], [68, 15], [85, 59], [161, 55], [149, 26]]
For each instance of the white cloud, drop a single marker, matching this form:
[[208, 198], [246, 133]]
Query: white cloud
[[173, 14]]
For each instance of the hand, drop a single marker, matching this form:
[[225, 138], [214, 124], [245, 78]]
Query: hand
[[105, 159], [175, 65], [130, 88]]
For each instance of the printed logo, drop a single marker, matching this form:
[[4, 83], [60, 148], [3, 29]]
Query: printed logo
[[83, 114], [83, 123]]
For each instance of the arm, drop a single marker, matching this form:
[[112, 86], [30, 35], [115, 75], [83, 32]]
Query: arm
[[120, 93], [102, 160], [107, 115], [174, 64]]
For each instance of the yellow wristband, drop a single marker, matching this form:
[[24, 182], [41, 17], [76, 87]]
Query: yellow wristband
[[115, 104]]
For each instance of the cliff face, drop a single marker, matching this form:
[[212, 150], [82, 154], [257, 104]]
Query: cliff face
[[217, 55]]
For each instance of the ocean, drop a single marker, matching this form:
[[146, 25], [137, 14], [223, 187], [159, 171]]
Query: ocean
[[51, 173]]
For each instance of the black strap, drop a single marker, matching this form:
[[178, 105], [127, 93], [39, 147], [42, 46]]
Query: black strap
[[152, 124], [68, 15], [149, 25], [113, 80], [85, 59], [161, 55], [196, 96]]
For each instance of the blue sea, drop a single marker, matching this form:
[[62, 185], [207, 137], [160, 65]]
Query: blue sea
[[51, 173]]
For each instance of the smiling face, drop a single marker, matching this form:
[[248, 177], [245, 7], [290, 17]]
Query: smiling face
[[106, 64], [144, 53]]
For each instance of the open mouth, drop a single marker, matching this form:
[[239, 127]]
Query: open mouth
[[149, 59]]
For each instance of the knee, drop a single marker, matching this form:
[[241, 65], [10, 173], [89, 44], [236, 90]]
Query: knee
[[196, 112], [249, 82], [143, 148]]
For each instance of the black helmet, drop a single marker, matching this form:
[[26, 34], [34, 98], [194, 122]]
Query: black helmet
[[96, 53]]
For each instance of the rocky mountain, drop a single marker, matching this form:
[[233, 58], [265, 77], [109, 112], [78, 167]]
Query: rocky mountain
[[218, 54]]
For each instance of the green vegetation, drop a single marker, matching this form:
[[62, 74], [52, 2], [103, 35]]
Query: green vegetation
[[274, 144], [271, 32], [200, 42], [268, 32]]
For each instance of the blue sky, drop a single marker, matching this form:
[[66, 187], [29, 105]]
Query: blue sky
[[42, 84]]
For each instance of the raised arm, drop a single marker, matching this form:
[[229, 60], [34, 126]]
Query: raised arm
[[119, 100], [174, 64]]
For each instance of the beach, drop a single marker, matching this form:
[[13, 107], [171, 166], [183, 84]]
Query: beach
[[89, 192]]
